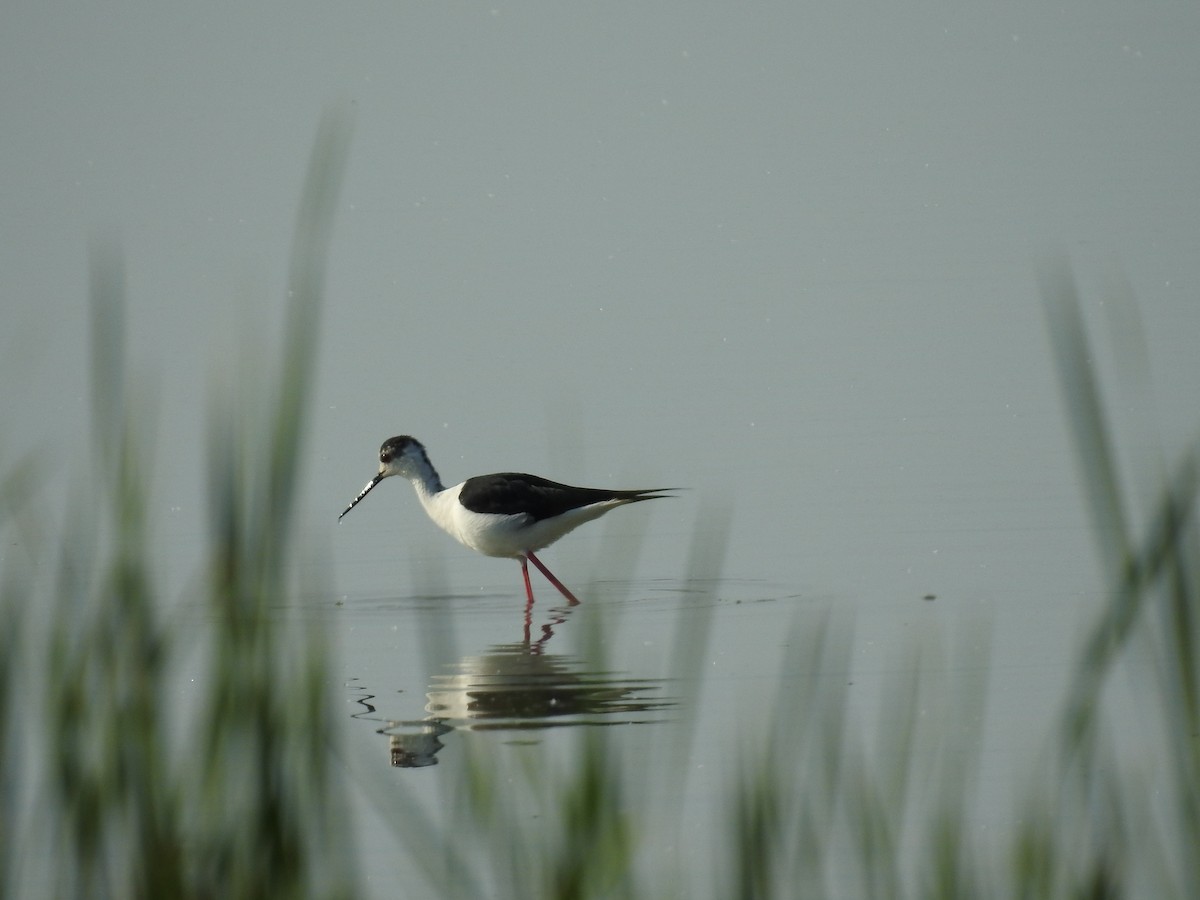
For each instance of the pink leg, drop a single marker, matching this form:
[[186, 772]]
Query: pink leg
[[529, 601], [571, 598], [528, 586]]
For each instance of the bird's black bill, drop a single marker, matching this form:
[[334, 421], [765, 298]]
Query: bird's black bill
[[370, 484]]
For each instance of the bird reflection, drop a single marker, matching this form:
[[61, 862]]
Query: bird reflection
[[519, 686], [513, 686], [412, 747]]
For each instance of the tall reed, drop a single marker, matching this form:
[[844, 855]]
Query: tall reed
[[142, 794]]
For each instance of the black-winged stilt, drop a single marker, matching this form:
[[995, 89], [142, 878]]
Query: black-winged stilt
[[507, 514]]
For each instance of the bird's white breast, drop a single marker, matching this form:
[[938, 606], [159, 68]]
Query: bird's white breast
[[495, 534]]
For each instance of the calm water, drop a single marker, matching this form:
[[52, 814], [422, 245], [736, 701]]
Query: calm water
[[782, 258], [449, 659]]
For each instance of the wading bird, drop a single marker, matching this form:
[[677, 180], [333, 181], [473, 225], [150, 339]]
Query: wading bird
[[507, 514]]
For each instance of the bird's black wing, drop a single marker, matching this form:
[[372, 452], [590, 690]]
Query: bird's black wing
[[512, 493]]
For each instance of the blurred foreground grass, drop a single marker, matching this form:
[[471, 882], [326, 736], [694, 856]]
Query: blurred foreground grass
[[104, 791], [109, 790]]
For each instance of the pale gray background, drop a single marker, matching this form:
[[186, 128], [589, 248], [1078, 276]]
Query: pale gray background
[[781, 253]]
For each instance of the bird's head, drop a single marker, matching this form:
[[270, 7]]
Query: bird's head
[[400, 455]]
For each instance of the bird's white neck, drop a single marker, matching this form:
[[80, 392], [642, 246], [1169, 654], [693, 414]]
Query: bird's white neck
[[440, 504], [422, 474]]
